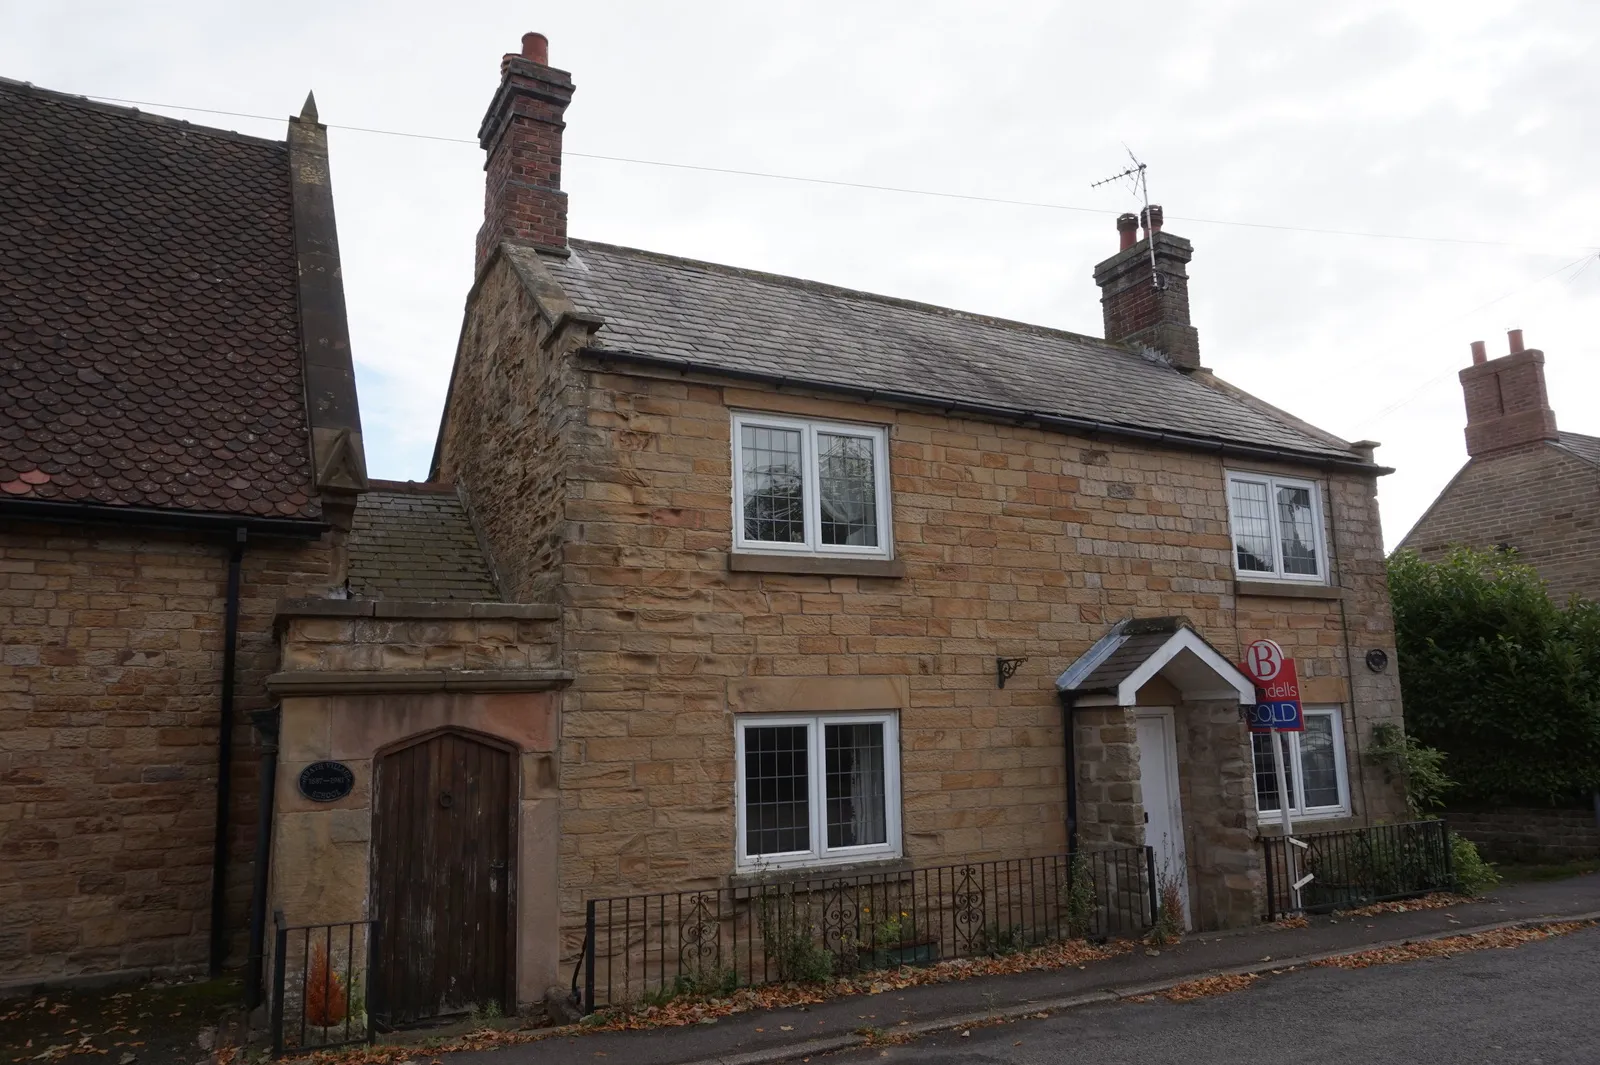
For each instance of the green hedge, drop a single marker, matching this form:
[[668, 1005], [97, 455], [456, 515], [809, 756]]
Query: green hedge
[[1497, 676]]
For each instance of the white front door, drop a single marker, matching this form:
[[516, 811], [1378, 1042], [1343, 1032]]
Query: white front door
[[1163, 807]]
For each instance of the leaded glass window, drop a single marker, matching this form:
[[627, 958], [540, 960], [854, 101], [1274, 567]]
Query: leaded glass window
[[1277, 527], [817, 789], [1314, 768], [811, 487]]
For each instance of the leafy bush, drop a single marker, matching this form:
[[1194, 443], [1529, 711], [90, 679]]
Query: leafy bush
[[1080, 897], [791, 941], [1473, 874], [1502, 680], [1423, 767]]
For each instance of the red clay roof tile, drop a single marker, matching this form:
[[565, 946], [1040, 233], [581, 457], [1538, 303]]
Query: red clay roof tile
[[149, 317]]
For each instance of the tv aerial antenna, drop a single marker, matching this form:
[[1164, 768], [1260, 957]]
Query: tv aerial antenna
[[1138, 180]]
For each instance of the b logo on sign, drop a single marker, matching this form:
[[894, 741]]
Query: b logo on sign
[[1263, 660]]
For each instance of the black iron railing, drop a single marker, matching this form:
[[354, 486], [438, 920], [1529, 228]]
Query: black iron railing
[[799, 927], [320, 977], [1357, 866]]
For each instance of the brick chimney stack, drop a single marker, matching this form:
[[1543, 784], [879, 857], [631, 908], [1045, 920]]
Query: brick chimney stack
[[1148, 306], [1507, 404], [523, 202]]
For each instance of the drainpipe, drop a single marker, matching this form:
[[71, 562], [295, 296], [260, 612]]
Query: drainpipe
[[1071, 747], [266, 723], [1337, 569], [219, 850]]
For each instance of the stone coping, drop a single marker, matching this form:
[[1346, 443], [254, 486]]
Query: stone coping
[[821, 565], [413, 608], [388, 681], [1287, 590]]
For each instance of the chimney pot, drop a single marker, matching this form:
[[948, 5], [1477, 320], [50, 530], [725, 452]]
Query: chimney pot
[[1480, 353], [536, 47], [1515, 336], [1128, 230], [1152, 219]]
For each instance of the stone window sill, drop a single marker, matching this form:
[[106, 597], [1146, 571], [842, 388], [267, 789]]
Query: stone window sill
[[800, 873], [1286, 590], [820, 565]]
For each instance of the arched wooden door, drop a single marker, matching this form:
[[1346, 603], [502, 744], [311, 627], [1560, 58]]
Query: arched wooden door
[[444, 812]]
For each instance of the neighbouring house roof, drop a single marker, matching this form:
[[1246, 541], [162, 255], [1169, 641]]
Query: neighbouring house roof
[[708, 317], [1136, 649], [150, 313], [415, 541], [1585, 447]]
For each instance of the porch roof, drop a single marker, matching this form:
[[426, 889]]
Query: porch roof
[[1137, 649]]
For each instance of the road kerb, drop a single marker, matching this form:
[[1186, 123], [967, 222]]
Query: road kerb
[[834, 1044]]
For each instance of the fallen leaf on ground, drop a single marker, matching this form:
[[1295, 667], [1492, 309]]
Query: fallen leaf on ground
[[1500, 938], [1207, 986]]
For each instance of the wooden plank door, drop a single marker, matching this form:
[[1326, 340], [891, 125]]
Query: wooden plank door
[[443, 816]]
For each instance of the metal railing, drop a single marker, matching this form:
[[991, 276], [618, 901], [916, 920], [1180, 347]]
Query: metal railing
[[813, 926], [320, 977], [1353, 867]]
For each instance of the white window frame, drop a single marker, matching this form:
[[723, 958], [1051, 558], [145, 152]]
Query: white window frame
[[1273, 483], [820, 853], [1293, 766], [808, 428]]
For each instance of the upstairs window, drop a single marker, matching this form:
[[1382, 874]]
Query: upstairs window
[[1277, 528], [810, 487]]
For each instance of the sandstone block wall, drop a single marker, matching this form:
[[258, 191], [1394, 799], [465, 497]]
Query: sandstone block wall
[[110, 678], [1015, 542], [505, 642], [1538, 499]]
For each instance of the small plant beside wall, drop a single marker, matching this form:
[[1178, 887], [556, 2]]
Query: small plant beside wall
[[1079, 897], [1168, 927], [792, 943]]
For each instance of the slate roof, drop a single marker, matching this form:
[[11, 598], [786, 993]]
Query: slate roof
[[725, 318], [149, 319], [415, 541], [1585, 447], [1117, 654]]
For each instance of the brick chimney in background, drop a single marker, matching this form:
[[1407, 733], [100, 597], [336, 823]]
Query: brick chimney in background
[[1147, 306], [1507, 404], [521, 133]]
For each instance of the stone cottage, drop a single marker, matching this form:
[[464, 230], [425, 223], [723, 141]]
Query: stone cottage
[[1526, 484], [835, 582], [180, 448]]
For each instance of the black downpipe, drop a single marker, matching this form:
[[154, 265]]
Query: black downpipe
[[1071, 745], [266, 722], [219, 851]]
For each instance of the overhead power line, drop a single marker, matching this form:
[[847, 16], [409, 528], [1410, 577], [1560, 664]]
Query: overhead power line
[[867, 186]]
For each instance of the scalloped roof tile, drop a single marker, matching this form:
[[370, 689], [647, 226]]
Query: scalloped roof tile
[[149, 313]]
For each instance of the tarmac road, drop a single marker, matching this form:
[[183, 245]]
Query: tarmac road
[[1537, 1004]]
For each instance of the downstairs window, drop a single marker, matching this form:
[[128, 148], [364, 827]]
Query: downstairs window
[[816, 790], [1314, 764]]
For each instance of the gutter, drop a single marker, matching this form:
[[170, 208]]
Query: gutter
[[219, 849], [158, 518], [1032, 419]]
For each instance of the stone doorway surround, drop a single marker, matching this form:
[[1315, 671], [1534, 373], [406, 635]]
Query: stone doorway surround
[[360, 676], [1165, 662]]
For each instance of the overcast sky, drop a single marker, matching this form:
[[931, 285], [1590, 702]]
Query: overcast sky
[[1467, 120]]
